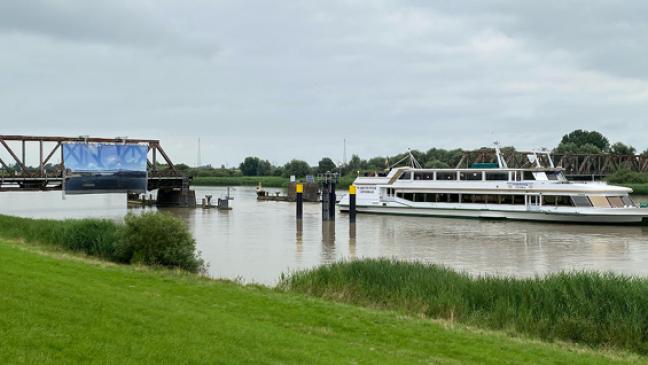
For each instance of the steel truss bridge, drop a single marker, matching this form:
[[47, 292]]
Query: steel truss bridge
[[575, 166], [17, 175]]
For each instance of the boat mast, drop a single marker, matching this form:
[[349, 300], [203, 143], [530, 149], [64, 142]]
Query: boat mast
[[500, 160]]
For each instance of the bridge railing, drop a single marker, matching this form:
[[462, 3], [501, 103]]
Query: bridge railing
[[49, 147], [598, 165]]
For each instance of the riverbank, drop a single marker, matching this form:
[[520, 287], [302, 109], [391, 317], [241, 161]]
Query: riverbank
[[62, 308], [265, 181], [596, 309]]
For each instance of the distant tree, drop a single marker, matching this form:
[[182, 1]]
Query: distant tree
[[581, 138], [573, 148], [356, 163], [182, 167], [264, 168], [436, 164], [326, 164], [378, 163], [645, 152], [622, 149], [298, 168], [250, 166]]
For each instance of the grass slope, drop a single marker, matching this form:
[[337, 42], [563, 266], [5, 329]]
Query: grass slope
[[596, 309], [61, 309]]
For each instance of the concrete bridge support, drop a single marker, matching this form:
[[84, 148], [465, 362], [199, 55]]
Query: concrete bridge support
[[176, 197]]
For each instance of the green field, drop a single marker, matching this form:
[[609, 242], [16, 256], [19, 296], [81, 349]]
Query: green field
[[59, 308]]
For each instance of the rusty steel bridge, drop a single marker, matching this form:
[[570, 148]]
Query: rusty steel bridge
[[575, 166], [17, 175]]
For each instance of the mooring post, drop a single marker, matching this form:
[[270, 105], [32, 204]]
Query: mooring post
[[352, 204], [332, 201], [325, 202], [299, 190]]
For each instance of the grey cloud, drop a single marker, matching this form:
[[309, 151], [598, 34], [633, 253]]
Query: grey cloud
[[293, 79]]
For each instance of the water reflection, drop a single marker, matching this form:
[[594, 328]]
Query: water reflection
[[328, 241], [257, 241]]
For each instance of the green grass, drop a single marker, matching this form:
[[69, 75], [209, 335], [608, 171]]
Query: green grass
[[150, 238], [57, 308], [266, 181], [637, 189], [601, 310]]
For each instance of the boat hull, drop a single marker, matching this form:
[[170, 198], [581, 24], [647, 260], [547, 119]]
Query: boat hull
[[526, 215]]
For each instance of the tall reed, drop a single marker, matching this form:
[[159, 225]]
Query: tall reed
[[597, 309]]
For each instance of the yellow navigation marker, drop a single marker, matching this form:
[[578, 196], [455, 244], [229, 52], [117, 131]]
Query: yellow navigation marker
[[352, 189], [299, 188]]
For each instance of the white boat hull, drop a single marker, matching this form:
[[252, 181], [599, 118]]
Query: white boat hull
[[524, 215]]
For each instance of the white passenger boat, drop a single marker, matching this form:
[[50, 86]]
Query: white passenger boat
[[541, 193]]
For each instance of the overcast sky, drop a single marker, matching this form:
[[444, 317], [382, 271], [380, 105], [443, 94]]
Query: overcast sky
[[285, 79]]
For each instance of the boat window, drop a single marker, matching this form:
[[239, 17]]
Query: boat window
[[627, 201], [430, 198], [548, 200], [518, 199], [599, 201], [453, 198], [554, 175], [477, 175], [446, 176], [528, 175], [424, 176], [557, 200], [467, 198], [581, 201], [405, 176], [615, 201], [499, 176]]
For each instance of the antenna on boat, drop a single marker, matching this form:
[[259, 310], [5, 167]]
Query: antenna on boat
[[501, 162], [413, 162]]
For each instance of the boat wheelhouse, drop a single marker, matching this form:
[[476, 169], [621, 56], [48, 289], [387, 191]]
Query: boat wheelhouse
[[539, 193]]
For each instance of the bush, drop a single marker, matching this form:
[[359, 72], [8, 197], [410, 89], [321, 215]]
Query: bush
[[626, 176], [92, 236], [151, 239], [160, 240]]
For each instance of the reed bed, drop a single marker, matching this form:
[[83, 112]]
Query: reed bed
[[596, 309]]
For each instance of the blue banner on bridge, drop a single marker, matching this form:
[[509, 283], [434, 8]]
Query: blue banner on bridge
[[104, 168]]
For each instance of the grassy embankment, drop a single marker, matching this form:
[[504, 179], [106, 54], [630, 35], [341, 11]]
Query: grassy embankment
[[266, 181], [60, 308], [600, 310]]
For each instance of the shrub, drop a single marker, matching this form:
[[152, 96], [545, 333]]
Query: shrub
[[158, 239], [626, 176], [95, 237]]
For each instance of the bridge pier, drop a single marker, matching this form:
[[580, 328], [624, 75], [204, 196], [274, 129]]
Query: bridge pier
[[176, 197]]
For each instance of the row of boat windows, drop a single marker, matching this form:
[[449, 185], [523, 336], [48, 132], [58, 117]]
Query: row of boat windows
[[511, 199], [476, 176]]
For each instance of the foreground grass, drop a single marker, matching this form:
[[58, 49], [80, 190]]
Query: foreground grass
[[603, 310], [60, 309]]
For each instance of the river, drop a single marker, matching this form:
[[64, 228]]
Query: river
[[257, 241]]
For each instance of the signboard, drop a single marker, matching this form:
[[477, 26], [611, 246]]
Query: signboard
[[95, 168]]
